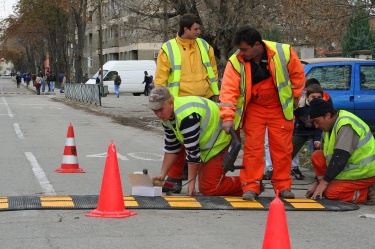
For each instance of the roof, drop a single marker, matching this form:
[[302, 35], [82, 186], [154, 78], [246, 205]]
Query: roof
[[329, 59]]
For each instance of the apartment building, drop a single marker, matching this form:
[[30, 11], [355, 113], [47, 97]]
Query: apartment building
[[121, 40]]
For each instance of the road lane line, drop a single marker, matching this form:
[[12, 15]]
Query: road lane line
[[10, 114], [18, 131], [40, 175]]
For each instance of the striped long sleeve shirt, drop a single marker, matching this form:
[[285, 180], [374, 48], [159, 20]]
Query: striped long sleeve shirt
[[190, 130]]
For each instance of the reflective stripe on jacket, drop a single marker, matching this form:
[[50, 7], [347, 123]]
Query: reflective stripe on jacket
[[172, 51], [212, 138], [286, 71], [361, 163]]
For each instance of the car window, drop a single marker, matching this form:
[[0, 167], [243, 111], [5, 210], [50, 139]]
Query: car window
[[332, 77], [367, 76], [110, 75]]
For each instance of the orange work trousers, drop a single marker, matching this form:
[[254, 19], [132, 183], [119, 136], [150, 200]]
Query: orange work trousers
[[354, 191], [209, 176], [263, 111]]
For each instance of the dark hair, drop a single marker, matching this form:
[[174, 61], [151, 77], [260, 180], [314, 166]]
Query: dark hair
[[187, 21], [314, 88], [311, 81], [246, 34], [146, 72]]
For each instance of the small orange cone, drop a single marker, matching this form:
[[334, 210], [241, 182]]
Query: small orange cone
[[111, 200], [276, 235], [70, 160]]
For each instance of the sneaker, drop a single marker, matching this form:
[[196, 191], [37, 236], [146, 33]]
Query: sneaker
[[177, 186], [249, 195], [287, 194], [267, 175], [370, 195], [297, 173]]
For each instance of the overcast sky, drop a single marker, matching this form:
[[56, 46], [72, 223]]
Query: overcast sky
[[8, 7]]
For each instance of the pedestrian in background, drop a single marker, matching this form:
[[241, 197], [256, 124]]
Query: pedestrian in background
[[18, 80], [117, 83], [38, 83], [262, 84], [147, 81], [63, 83], [52, 82], [187, 66], [345, 167], [44, 80]]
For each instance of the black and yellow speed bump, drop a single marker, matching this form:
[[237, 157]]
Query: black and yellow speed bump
[[12, 203]]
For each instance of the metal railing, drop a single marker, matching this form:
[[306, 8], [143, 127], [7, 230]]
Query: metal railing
[[84, 92]]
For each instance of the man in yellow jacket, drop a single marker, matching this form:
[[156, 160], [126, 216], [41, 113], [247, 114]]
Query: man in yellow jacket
[[187, 66]]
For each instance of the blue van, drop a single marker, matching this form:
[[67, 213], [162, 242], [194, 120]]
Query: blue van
[[349, 81]]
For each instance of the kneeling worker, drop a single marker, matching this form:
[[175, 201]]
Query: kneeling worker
[[345, 168], [195, 122]]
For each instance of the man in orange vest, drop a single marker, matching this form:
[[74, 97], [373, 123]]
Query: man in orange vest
[[261, 85]]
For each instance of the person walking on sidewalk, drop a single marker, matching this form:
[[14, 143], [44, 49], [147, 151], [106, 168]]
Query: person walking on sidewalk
[[52, 82], [18, 80], [195, 122], [345, 167], [186, 65], [147, 80], [117, 83], [262, 84], [38, 83]]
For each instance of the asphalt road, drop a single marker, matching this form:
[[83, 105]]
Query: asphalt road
[[33, 132]]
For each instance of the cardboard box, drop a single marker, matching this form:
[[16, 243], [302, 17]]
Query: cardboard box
[[142, 185]]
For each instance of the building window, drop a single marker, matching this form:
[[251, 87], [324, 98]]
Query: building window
[[90, 39], [89, 61]]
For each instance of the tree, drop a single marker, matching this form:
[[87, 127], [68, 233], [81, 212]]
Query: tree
[[359, 35], [319, 22]]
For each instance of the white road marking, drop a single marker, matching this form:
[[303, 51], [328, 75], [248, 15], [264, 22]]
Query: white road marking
[[146, 156], [119, 156], [18, 131], [10, 114], [40, 175]]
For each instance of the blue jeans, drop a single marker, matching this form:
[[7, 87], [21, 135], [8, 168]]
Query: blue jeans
[[52, 86], [117, 89]]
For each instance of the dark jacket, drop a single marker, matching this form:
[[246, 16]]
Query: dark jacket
[[303, 126]]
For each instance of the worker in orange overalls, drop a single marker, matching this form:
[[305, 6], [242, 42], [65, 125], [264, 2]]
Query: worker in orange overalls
[[262, 83]]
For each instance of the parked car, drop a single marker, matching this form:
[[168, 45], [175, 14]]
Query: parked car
[[131, 73], [349, 81]]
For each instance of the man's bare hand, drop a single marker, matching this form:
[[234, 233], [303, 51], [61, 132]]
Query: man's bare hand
[[227, 125]]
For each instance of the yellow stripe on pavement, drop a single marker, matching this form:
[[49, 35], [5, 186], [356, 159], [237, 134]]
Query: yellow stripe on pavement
[[56, 201]]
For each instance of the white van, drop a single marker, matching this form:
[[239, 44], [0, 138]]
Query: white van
[[131, 73]]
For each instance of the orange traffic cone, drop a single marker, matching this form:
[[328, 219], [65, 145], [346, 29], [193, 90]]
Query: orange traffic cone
[[111, 200], [276, 235], [70, 161]]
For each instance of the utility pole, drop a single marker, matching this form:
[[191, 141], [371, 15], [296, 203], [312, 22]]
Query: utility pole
[[101, 47]]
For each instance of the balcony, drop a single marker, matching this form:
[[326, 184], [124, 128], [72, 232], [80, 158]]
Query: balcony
[[112, 42]]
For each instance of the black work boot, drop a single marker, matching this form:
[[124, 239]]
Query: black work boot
[[177, 185]]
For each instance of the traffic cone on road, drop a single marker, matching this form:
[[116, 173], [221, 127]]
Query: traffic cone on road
[[70, 161], [276, 235], [111, 200]]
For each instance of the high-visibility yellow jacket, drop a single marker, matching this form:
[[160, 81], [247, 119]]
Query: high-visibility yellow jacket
[[361, 163], [212, 139], [287, 73], [198, 73]]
